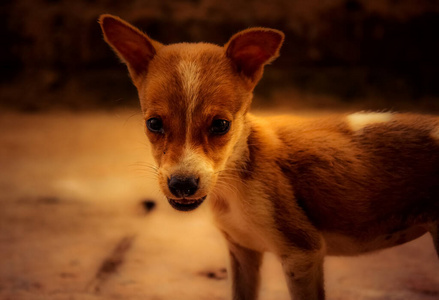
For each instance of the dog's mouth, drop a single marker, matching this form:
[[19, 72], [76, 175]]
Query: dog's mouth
[[186, 204]]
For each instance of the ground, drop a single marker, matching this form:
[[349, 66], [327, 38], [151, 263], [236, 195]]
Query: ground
[[78, 222]]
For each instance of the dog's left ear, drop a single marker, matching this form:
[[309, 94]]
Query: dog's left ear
[[250, 50]]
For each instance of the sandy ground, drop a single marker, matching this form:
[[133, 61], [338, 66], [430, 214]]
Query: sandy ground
[[73, 225]]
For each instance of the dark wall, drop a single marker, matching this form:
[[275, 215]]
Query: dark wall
[[53, 54]]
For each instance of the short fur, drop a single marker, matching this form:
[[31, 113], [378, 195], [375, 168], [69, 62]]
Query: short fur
[[299, 188]]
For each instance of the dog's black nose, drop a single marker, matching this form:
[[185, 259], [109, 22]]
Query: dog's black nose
[[181, 186]]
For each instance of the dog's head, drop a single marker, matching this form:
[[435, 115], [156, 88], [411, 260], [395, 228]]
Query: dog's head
[[194, 99]]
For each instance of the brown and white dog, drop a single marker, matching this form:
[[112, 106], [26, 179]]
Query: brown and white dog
[[299, 188]]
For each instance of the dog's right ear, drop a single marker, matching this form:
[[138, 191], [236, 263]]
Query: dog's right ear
[[250, 50], [132, 46]]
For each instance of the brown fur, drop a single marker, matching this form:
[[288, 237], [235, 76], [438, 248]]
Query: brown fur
[[299, 188]]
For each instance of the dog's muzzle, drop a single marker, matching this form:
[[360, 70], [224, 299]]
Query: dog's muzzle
[[183, 187]]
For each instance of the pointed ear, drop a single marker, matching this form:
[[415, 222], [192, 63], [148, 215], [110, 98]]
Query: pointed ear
[[250, 50], [132, 46]]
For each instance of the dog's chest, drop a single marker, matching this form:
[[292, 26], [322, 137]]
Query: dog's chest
[[242, 223]]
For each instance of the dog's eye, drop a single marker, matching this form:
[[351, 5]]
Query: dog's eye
[[155, 125], [220, 126]]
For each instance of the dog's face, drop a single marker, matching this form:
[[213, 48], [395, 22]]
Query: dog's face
[[193, 121], [194, 98]]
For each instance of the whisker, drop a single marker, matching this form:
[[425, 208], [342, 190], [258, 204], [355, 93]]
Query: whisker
[[227, 187], [234, 181], [231, 187], [146, 169]]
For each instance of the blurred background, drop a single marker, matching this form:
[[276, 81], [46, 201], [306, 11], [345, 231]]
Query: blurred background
[[346, 51], [81, 217]]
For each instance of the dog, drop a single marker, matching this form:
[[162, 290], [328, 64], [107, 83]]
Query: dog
[[298, 188]]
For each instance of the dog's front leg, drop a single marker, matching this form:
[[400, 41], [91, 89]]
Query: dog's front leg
[[244, 269], [304, 275]]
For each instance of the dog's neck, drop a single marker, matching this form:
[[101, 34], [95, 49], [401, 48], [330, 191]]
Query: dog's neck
[[241, 151]]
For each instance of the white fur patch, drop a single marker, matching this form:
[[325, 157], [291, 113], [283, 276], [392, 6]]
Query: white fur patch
[[192, 162], [358, 121], [190, 76]]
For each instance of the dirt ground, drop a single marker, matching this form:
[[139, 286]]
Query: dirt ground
[[76, 224]]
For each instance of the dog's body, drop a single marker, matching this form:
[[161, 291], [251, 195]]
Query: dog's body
[[347, 183], [298, 188]]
